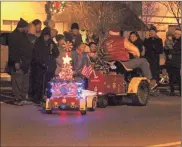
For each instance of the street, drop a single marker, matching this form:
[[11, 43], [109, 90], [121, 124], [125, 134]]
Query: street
[[156, 124]]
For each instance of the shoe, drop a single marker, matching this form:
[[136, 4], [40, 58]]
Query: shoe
[[26, 102], [19, 103], [172, 94]]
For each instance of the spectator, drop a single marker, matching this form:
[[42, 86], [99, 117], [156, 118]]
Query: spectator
[[93, 52], [74, 36], [119, 48], [174, 63], [79, 59], [134, 38], [54, 33], [38, 26], [32, 38], [20, 55], [45, 53], [153, 48]]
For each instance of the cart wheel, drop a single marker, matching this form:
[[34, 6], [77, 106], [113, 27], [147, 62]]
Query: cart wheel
[[94, 105], [142, 96], [102, 102], [83, 112]]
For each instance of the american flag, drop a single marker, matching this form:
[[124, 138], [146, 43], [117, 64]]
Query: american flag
[[87, 71]]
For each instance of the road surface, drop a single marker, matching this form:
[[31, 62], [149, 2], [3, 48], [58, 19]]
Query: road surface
[[158, 123]]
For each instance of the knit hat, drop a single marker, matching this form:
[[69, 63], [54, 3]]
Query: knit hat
[[59, 37], [74, 26], [22, 23], [114, 32], [153, 28], [46, 31]]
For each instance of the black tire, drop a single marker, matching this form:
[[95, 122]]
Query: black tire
[[83, 112], [102, 102], [142, 96], [94, 105]]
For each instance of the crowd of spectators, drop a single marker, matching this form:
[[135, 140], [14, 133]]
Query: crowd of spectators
[[35, 56]]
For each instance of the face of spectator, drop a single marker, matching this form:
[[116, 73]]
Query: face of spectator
[[75, 31], [81, 48], [46, 37], [93, 48], [147, 34], [32, 29], [177, 34], [53, 33], [38, 28], [133, 37], [61, 42], [152, 33]]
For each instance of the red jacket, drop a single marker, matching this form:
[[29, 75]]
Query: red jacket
[[118, 48]]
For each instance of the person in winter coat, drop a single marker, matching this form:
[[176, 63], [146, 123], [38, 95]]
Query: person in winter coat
[[20, 55], [74, 36], [153, 48], [174, 62], [31, 38], [119, 49], [79, 59], [38, 26], [134, 38], [45, 54]]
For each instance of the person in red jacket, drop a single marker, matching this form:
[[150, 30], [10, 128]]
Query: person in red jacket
[[119, 48]]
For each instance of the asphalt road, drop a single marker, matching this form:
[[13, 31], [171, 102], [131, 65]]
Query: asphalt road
[[157, 123]]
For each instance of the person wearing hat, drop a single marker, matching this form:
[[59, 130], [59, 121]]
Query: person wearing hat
[[44, 58], [118, 48], [20, 55], [74, 36], [174, 63], [153, 49]]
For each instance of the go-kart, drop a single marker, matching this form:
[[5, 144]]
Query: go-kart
[[69, 95], [120, 85]]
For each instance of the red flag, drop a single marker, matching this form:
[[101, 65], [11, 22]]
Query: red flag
[[87, 71]]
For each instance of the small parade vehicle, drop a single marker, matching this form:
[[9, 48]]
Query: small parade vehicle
[[123, 86], [67, 93]]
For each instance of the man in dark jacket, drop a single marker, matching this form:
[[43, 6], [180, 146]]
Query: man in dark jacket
[[153, 49], [174, 62], [74, 36], [20, 55], [45, 54]]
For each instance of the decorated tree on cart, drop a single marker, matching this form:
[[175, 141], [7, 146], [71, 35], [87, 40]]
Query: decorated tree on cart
[[65, 85]]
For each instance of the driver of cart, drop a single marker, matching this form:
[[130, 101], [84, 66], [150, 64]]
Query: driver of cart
[[119, 48], [79, 59]]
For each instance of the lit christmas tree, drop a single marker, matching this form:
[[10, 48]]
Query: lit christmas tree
[[65, 85]]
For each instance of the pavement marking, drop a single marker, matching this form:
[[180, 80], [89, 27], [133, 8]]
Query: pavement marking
[[167, 144]]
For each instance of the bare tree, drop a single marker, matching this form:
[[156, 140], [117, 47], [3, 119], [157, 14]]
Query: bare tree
[[174, 7], [97, 17], [149, 9]]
